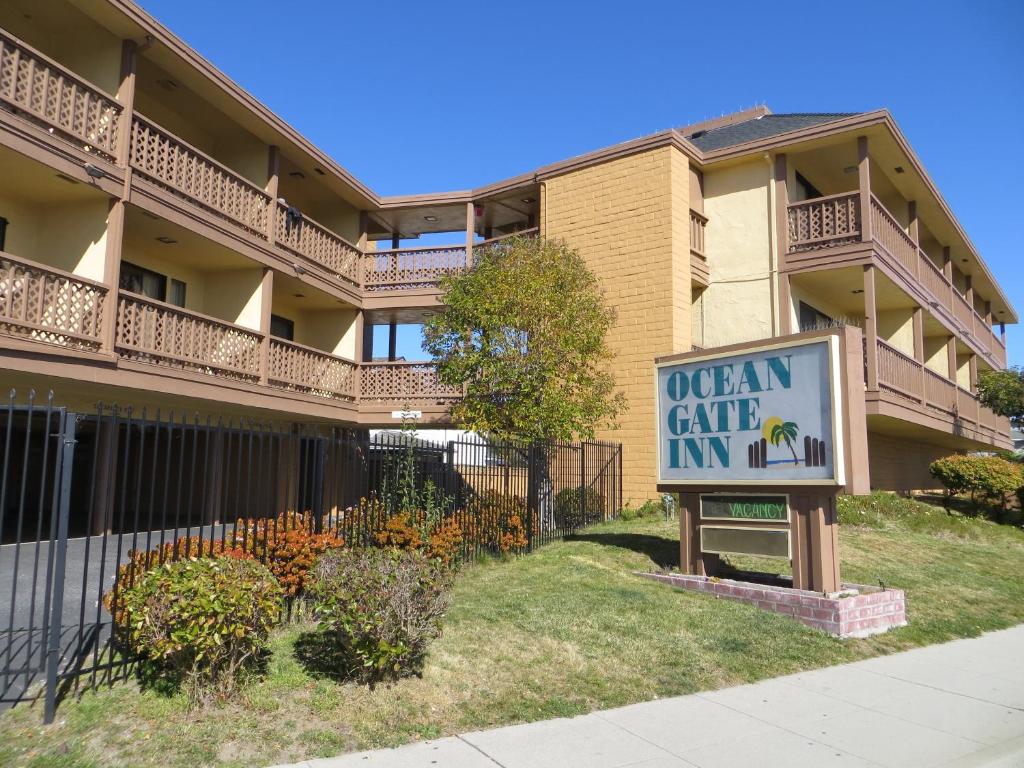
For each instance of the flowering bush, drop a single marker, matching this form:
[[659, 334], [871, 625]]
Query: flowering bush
[[287, 544], [498, 522]]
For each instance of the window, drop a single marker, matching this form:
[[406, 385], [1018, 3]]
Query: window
[[813, 320], [282, 328], [177, 295], [3, 232], [143, 281], [807, 190]]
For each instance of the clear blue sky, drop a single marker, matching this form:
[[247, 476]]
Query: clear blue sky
[[420, 96]]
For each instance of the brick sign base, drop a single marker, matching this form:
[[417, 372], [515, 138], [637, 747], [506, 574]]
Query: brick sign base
[[869, 612]]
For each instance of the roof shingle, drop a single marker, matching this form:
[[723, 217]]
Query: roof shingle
[[760, 128]]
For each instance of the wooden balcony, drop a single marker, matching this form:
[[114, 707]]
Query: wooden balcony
[[410, 268], [40, 89], [151, 331], [312, 371], [47, 305], [832, 228], [910, 383], [184, 170], [305, 237], [404, 383]]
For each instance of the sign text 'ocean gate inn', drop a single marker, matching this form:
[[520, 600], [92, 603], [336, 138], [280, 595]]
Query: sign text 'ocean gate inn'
[[765, 416]]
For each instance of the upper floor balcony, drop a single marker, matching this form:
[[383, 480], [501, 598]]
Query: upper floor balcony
[[892, 218]]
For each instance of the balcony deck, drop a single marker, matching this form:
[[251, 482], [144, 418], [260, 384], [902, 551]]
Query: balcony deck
[[828, 232]]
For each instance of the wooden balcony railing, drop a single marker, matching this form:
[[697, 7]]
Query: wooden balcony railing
[[305, 237], [404, 383], [171, 162], [698, 223], [890, 235], [47, 92], [834, 220], [304, 369], [909, 379], [824, 221], [406, 268], [46, 304], [155, 332]]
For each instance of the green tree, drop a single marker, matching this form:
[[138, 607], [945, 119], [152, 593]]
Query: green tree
[[525, 330], [1003, 392], [787, 431]]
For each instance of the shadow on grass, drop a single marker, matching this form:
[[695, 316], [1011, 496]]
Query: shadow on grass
[[663, 552], [323, 658]]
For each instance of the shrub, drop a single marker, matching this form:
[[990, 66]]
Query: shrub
[[988, 476], [568, 512], [651, 508], [288, 545], [498, 522], [202, 622], [383, 605], [140, 562], [627, 513]]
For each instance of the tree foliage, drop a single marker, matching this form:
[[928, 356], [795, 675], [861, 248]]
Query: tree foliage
[[525, 331], [1003, 392]]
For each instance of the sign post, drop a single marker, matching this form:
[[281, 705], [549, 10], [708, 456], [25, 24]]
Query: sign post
[[758, 439]]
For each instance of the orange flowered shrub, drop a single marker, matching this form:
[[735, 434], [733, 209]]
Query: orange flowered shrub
[[399, 532], [287, 545], [413, 531], [498, 522], [445, 543]]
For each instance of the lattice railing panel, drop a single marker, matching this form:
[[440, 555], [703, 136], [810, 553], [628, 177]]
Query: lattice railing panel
[[411, 267], [168, 160], [404, 383], [302, 369], [155, 332], [44, 90], [49, 305], [824, 222], [307, 238]]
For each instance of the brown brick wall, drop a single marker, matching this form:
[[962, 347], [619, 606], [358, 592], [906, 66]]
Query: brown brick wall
[[629, 218]]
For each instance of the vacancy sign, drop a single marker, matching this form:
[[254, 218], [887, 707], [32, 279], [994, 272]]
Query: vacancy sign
[[764, 415]]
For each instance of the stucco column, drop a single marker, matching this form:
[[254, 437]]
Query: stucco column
[[870, 328]]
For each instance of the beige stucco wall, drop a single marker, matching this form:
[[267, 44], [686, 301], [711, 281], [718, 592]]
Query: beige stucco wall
[[626, 218], [330, 330], [963, 370], [896, 327], [936, 357], [71, 236], [738, 302], [235, 295], [901, 464], [798, 294], [160, 258]]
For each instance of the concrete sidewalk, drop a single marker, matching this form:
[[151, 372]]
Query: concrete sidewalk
[[958, 704]]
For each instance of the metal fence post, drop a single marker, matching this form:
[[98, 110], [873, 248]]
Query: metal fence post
[[319, 462], [60, 542], [532, 505]]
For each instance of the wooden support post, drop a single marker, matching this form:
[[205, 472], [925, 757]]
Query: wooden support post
[[392, 340], [272, 189], [864, 186], [470, 232], [972, 367], [870, 328], [126, 97], [919, 345], [361, 244], [266, 305], [914, 232], [952, 368]]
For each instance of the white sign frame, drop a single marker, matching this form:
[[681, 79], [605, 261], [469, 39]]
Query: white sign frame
[[836, 402]]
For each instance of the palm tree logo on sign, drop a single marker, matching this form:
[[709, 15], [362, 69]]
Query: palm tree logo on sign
[[779, 432]]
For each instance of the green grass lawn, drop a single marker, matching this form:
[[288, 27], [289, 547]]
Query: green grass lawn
[[559, 632]]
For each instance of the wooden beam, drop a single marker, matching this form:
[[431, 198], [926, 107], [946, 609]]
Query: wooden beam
[[871, 327], [864, 186]]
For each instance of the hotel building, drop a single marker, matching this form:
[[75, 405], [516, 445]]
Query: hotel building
[[165, 238]]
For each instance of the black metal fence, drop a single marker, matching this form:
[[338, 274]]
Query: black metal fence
[[79, 492]]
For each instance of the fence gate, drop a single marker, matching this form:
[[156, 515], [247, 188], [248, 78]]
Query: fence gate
[[37, 639]]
